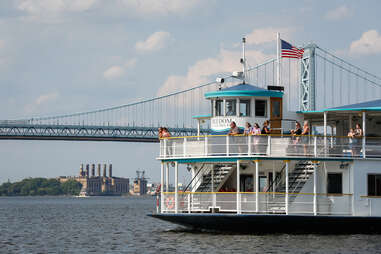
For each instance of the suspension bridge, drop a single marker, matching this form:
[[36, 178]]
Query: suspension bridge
[[318, 74]]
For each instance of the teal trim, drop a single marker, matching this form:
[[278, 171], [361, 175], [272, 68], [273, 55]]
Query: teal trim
[[243, 93], [355, 109], [232, 159], [201, 116], [310, 112], [340, 109]]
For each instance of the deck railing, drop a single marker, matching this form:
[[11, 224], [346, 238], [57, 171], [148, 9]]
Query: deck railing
[[268, 203], [270, 146]]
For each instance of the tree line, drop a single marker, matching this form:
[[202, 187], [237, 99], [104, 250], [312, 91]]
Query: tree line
[[40, 187]]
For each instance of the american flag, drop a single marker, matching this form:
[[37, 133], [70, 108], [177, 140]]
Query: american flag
[[287, 50]]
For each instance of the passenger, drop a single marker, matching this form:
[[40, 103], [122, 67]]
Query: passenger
[[306, 128], [295, 137], [165, 133], [266, 129], [358, 133], [297, 131], [351, 135], [233, 129], [248, 129], [305, 140], [256, 131], [160, 132]]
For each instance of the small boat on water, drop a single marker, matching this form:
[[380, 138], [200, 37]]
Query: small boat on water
[[83, 193], [277, 181]]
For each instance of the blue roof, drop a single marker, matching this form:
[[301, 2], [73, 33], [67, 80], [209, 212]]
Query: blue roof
[[368, 105], [243, 90], [374, 105]]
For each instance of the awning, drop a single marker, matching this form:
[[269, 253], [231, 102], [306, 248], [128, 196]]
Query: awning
[[373, 106]]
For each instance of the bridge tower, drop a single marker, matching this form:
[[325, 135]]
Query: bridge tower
[[307, 79]]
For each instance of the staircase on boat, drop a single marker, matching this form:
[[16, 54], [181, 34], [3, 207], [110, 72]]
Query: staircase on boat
[[209, 181], [297, 179], [215, 178]]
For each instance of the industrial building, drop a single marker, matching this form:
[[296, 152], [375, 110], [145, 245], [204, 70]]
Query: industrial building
[[96, 185], [140, 183]]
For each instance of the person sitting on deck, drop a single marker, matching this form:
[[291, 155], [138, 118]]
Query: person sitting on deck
[[233, 129]]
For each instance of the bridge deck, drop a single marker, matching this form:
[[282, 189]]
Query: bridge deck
[[23, 131]]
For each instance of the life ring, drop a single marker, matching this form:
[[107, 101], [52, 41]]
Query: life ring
[[170, 202]]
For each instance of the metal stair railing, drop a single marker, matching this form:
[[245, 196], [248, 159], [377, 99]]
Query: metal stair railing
[[294, 188], [193, 179], [277, 180]]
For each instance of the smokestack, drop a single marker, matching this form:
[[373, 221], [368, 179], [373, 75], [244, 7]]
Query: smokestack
[[110, 170], [99, 170], [81, 170], [104, 170], [87, 170], [93, 170]]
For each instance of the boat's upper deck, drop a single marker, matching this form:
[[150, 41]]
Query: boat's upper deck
[[271, 146]]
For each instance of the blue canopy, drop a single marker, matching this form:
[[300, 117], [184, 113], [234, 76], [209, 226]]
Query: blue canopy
[[374, 105]]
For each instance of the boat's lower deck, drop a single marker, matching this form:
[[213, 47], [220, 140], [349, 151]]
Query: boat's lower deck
[[260, 223]]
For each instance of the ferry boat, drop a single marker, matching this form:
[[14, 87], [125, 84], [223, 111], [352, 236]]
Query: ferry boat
[[276, 182]]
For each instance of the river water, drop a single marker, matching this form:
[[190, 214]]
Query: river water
[[120, 225]]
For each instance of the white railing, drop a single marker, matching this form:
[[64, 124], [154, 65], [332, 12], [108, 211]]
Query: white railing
[[271, 146], [268, 203]]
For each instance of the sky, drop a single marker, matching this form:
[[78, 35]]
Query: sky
[[66, 56]]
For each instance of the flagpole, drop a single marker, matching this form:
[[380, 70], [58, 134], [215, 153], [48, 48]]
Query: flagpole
[[278, 58]]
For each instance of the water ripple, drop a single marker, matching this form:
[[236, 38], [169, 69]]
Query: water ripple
[[120, 225]]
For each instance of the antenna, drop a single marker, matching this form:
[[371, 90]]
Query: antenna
[[243, 60]]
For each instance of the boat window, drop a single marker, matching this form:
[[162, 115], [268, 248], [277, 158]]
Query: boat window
[[262, 183], [374, 185], [335, 183], [260, 108], [218, 108], [244, 108], [276, 108], [231, 107]]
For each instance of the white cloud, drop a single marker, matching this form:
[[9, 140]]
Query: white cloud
[[339, 13], [200, 72], [118, 71], [40, 102], [113, 72], [46, 98], [130, 63], [52, 10], [265, 35], [159, 7], [369, 43], [154, 42]]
